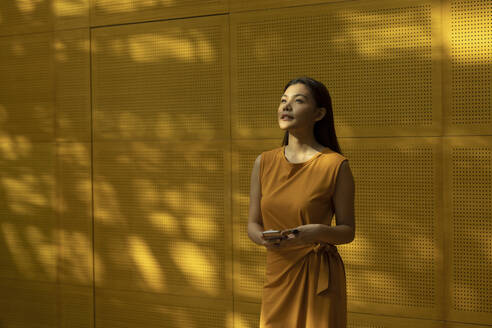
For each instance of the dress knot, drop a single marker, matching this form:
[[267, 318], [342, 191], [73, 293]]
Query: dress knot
[[327, 258]]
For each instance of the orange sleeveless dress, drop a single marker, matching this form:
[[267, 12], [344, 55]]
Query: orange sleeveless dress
[[304, 286]]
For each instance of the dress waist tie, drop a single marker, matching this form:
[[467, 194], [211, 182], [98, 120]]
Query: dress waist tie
[[329, 261]]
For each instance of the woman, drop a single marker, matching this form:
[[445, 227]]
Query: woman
[[296, 189]]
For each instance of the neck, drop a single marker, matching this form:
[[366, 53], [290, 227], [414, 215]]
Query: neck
[[302, 142]]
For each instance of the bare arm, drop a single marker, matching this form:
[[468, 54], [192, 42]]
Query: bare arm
[[343, 199]]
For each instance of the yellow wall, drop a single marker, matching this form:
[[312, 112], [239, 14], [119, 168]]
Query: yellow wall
[[128, 130]]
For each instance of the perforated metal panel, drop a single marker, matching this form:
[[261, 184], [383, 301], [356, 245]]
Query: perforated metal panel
[[242, 5], [246, 315], [76, 306], [249, 258], [74, 205], [28, 304], [468, 75], [378, 59], [394, 265], [161, 218], [26, 87], [161, 81], [24, 17], [70, 14], [28, 247], [127, 309], [468, 209], [72, 85], [130, 11], [360, 320], [463, 325]]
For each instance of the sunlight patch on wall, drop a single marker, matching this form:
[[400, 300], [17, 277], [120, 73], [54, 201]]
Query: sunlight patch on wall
[[44, 248], [201, 230], [67, 8], [380, 39], [60, 55], [76, 247], [14, 147], [190, 259], [21, 257], [78, 154], [108, 207], [146, 262], [22, 194], [152, 47], [164, 221], [28, 6], [126, 6]]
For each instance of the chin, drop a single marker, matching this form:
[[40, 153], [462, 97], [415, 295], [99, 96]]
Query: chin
[[283, 125]]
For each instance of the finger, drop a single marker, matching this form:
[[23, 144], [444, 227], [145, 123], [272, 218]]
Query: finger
[[272, 243], [273, 246]]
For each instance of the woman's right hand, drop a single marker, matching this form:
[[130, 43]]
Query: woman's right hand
[[289, 240], [257, 237], [270, 243]]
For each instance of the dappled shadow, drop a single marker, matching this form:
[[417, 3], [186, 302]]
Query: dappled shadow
[[143, 208]]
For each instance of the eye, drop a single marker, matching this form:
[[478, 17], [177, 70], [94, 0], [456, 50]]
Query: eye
[[300, 101]]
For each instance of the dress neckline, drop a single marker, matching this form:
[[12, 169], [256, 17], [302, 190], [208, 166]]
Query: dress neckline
[[302, 163]]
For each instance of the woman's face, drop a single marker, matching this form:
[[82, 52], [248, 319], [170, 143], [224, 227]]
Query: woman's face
[[297, 109]]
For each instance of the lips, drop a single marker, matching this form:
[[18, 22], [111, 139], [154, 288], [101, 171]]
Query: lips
[[286, 117]]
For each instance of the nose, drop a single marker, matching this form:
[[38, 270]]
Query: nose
[[287, 106]]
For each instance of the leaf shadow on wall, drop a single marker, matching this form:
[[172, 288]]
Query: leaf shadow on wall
[[160, 218]]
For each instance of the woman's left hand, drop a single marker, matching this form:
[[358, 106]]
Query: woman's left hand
[[306, 235]]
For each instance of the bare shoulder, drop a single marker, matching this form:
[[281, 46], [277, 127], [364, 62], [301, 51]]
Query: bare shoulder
[[345, 175], [258, 160], [266, 155], [256, 167]]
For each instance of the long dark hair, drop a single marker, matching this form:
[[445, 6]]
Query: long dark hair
[[324, 129]]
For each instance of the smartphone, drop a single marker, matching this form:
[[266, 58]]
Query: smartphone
[[272, 234], [277, 234]]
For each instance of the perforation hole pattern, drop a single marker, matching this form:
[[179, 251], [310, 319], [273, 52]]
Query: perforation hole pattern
[[25, 65], [471, 228], [25, 17], [377, 63], [396, 194], [73, 111], [108, 7], [251, 258], [471, 55], [170, 204], [131, 313], [247, 320], [75, 253], [29, 245], [143, 75]]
